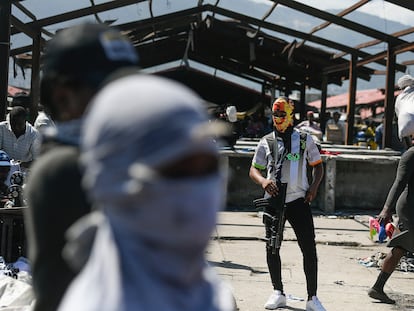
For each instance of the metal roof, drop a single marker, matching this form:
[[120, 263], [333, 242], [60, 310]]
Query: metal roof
[[226, 37], [280, 45], [363, 97]]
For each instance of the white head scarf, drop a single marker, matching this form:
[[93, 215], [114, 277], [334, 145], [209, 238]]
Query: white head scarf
[[148, 252], [404, 81]]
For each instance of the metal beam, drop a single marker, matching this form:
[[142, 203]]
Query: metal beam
[[367, 60], [284, 30], [293, 33], [21, 50], [198, 10], [351, 101], [408, 4], [340, 21], [409, 62], [389, 99], [35, 78], [29, 31], [375, 42], [110, 5], [5, 13], [22, 8], [340, 14], [324, 95], [404, 48], [174, 19]]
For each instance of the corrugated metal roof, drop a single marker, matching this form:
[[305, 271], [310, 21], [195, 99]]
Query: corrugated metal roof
[[363, 97]]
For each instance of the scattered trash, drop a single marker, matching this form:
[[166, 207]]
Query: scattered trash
[[406, 263], [373, 261], [294, 298]]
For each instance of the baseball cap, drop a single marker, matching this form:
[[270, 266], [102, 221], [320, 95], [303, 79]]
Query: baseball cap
[[4, 159], [88, 52]]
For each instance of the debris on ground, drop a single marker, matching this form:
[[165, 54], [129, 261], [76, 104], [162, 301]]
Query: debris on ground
[[406, 263]]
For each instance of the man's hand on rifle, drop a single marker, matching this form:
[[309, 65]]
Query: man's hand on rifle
[[270, 187]]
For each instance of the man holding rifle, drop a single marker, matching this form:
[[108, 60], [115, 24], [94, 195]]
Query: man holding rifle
[[285, 155]]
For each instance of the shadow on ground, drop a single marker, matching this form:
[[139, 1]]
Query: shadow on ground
[[231, 265]]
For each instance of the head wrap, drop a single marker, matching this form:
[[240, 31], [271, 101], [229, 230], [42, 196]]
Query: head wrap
[[404, 81], [148, 253]]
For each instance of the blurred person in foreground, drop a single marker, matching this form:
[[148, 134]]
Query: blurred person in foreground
[[400, 199], [152, 171], [285, 155], [76, 62]]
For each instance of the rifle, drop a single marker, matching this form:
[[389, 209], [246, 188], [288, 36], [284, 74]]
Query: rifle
[[273, 217]]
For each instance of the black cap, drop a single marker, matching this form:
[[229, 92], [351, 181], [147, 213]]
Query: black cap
[[21, 99], [88, 52]]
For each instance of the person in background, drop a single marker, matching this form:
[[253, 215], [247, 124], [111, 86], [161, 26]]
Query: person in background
[[336, 121], [152, 170], [18, 138], [256, 125], [404, 119], [379, 133], [295, 152], [4, 175], [310, 126], [76, 63], [400, 199]]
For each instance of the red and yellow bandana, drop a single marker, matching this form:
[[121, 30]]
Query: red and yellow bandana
[[282, 114]]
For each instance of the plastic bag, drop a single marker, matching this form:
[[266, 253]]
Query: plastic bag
[[231, 112], [376, 228], [404, 109]]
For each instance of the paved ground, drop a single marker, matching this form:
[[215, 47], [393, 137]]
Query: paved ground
[[238, 254]]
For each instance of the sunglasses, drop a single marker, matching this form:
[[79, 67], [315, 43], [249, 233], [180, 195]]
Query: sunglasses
[[279, 114]]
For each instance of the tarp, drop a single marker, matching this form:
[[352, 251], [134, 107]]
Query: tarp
[[13, 90]]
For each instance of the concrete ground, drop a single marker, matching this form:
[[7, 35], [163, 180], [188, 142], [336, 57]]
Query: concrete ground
[[237, 252]]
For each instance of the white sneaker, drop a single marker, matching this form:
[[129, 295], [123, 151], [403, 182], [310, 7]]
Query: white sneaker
[[314, 305], [276, 300]]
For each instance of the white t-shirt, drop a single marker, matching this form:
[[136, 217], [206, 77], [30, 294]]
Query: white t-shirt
[[25, 148], [294, 166]]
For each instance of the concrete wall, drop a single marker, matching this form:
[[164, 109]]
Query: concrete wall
[[350, 181]]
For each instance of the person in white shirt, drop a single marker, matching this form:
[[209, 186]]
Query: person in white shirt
[[340, 124], [18, 138], [283, 156], [310, 126]]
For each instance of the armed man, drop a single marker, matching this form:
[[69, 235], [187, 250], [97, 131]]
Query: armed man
[[285, 155]]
